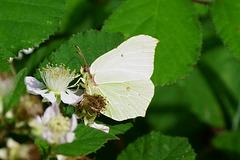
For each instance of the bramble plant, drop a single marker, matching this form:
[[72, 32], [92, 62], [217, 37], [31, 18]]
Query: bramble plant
[[120, 79]]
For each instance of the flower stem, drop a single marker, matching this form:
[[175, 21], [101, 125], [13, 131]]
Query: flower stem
[[58, 99]]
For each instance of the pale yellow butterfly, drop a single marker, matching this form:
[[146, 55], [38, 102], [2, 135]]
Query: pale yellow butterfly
[[122, 77]]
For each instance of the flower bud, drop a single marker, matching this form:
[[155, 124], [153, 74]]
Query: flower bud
[[6, 85], [15, 150], [90, 107], [30, 106]]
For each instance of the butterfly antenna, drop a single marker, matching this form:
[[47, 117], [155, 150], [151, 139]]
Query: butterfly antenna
[[86, 66], [80, 53]]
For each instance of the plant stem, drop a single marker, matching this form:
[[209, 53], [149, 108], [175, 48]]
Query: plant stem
[[236, 118], [202, 2]]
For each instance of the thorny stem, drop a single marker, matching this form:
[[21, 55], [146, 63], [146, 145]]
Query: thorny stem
[[202, 2], [12, 68], [48, 152]]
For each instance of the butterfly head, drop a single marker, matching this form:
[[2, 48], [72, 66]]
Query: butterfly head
[[85, 68]]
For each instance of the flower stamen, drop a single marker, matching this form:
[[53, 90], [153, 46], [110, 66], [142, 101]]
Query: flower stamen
[[57, 78], [59, 124]]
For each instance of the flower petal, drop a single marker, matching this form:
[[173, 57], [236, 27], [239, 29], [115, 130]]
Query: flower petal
[[61, 157], [56, 108], [47, 135], [70, 98], [34, 86], [70, 136], [50, 97], [50, 112], [38, 119], [99, 127]]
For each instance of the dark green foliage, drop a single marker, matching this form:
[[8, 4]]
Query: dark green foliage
[[197, 80]]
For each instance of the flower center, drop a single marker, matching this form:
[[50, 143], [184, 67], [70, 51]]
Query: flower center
[[57, 78], [59, 124]]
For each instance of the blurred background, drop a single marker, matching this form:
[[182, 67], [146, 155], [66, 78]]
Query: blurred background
[[203, 106]]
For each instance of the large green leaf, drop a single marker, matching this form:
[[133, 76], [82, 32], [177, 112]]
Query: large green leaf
[[119, 128], [4, 60], [156, 146], [87, 140], [173, 22], [92, 44], [83, 15], [24, 24], [225, 16], [32, 61]]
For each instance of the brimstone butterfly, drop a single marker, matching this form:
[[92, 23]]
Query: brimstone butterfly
[[122, 77]]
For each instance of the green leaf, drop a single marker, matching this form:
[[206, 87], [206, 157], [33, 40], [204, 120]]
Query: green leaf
[[201, 99], [68, 110], [43, 147], [226, 67], [202, 9], [87, 140], [78, 17], [228, 142], [119, 128], [210, 102], [27, 23], [4, 64], [156, 146], [92, 44], [169, 116], [32, 61], [13, 97], [173, 22], [225, 16], [225, 82]]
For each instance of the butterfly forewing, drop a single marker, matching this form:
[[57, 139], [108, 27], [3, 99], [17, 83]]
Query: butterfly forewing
[[134, 55]]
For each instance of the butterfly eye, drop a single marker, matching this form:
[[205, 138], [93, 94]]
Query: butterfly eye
[[86, 69]]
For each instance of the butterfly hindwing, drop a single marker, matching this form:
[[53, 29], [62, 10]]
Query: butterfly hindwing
[[127, 99]]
